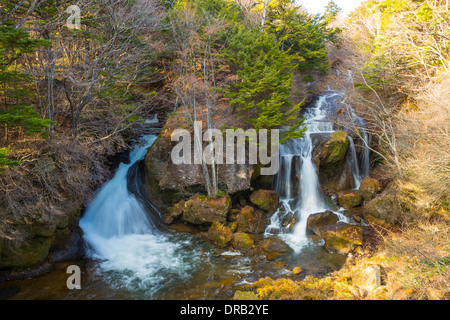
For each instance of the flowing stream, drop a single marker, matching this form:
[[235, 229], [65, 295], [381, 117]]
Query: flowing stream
[[130, 256], [297, 181]]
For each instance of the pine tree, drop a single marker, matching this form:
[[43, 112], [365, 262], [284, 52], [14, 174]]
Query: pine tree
[[265, 77], [15, 84]]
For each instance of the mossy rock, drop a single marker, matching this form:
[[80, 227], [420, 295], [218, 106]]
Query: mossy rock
[[266, 200], [250, 220], [369, 187], [174, 212], [349, 199], [220, 235], [329, 155], [342, 237], [31, 254], [241, 240], [245, 295], [202, 210], [319, 220], [274, 247]]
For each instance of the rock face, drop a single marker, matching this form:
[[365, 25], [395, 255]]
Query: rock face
[[369, 187], [318, 220], [342, 237], [329, 154], [266, 200], [349, 199], [53, 238], [168, 183], [202, 210]]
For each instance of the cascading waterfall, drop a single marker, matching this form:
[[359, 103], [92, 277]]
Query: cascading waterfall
[[120, 234], [297, 181]]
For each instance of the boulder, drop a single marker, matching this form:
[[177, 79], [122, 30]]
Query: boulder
[[342, 237], [250, 220], [369, 187], [202, 210], [174, 212], [274, 247], [266, 200], [241, 240], [383, 209], [219, 234], [319, 220], [349, 199], [369, 278], [168, 183]]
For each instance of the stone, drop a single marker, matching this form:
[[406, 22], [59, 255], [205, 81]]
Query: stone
[[242, 240], [174, 212], [219, 235], [274, 247], [250, 220], [342, 237], [369, 187], [201, 210], [318, 220], [369, 278], [266, 200], [383, 210], [297, 270], [349, 199]]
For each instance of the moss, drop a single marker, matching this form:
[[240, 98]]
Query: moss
[[242, 240], [245, 295], [349, 199], [219, 235], [28, 255]]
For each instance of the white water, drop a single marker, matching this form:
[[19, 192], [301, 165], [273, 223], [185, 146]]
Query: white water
[[131, 252], [298, 182]]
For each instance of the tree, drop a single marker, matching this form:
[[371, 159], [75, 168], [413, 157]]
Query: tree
[[16, 85], [265, 77]]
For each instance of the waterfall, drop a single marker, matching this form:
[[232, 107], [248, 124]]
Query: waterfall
[[297, 181], [123, 237]]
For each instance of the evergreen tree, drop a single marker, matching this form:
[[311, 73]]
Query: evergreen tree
[[265, 78]]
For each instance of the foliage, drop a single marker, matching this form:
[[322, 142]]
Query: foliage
[[265, 77], [16, 85]]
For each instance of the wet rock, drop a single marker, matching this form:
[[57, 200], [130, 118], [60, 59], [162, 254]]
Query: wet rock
[[369, 187], [329, 154], [241, 240], [274, 247], [202, 210], [342, 237], [349, 199], [250, 220], [266, 200], [319, 220], [174, 212], [219, 235]]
